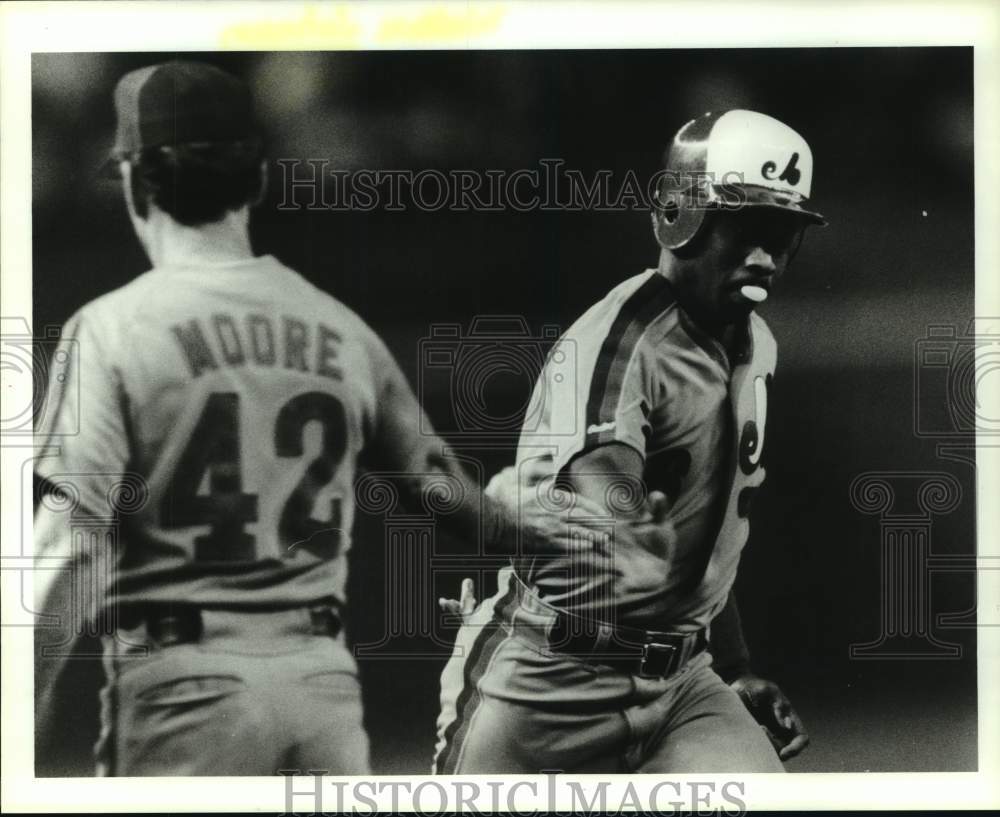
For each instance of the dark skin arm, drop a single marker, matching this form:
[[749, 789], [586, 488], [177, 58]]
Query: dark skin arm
[[607, 474], [765, 700], [605, 486], [593, 474], [731, 658]]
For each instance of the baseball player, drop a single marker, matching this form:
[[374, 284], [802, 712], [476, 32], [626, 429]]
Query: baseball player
[[603, 660], [225, 405]]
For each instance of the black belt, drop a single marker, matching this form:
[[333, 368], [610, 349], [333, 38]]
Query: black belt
[[646, 653], [183, 624]]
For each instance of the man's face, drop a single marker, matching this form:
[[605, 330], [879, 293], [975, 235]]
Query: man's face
[[743, 253]]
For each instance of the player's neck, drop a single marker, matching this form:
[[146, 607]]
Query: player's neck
[[669, 268], [729, 335], [169, 243]]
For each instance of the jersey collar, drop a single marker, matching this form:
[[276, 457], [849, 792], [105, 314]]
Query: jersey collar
[[743, 345]]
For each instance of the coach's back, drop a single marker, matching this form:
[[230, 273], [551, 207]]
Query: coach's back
[[242, 396]]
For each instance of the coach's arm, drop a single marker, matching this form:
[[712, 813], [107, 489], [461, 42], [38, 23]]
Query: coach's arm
[[81, 443], [68, 588], [404, 450]]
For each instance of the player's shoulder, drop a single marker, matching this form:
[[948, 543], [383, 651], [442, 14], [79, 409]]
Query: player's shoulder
[[634, 311], [646, 289], [346, 317], [628, 325], [109, 315], [329, 309], [109, 302]]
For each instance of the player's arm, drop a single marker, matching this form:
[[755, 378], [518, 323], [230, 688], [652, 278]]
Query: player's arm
[[766, 701], [611, 477], [610, 468], [70, 585], [730, 655], [83, 450], [417, 462], [596, 474]]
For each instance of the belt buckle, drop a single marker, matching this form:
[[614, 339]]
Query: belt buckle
[[657, 660]]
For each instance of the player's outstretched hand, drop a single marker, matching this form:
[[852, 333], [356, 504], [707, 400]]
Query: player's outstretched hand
[[772, 710], [463, 606]]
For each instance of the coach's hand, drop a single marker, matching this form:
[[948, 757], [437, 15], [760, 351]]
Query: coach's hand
[[540, 517], [772, 710]]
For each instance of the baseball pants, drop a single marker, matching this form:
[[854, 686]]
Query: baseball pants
[[511, 706], [257, 693]]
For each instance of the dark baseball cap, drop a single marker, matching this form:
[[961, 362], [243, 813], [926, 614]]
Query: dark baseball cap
[[180, 102]]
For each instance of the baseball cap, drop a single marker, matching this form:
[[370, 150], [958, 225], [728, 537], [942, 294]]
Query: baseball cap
[[178, 102]]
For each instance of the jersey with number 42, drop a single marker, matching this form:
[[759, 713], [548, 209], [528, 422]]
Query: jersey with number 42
[[241, 397]]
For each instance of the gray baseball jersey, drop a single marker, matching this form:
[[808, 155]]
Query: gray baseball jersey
[[242, 396]]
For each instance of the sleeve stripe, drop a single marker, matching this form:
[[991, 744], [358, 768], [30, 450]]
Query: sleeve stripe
[[634, 317]]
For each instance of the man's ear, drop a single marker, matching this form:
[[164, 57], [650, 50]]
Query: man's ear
[[140, 225], [655, 218], [262, 186], [138, 215]]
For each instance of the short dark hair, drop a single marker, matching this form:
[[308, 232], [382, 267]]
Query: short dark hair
[[197, 183]]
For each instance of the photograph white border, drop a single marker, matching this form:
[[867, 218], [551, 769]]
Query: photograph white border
[[186, 26]]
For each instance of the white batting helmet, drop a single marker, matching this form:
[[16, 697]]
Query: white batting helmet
[[730, 160]]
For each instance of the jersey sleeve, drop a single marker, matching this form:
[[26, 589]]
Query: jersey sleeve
[[616, 406], [399, 436], [81, 431]]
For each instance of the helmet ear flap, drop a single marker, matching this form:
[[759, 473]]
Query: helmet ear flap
[[676, 222]]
